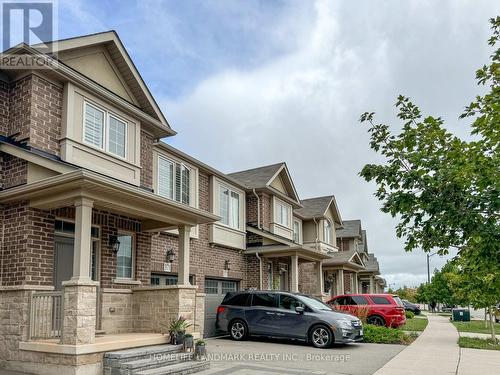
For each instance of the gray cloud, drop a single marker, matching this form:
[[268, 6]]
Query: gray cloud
[[302, 106]]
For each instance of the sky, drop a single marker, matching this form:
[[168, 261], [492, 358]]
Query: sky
[[251, 83]]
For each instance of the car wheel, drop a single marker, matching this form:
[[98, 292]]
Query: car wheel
[[321, 337], [238, 330], [376, 320]]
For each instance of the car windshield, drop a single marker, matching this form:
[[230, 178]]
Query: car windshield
[[314, 303], [398, 300]]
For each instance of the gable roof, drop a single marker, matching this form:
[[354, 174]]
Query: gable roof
[[262, 178], [351, 228], [317, 207], [371, 264], [123, 62], [345, 257]]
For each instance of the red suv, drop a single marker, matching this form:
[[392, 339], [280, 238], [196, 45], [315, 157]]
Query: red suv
[[379, 309]]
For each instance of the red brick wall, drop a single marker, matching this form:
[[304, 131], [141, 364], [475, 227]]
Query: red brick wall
[[251, 209], [146, 160], [20, 109], [4, 108], [27, 246], [308, 278], [347, 282], [265, 210], [14, 171], [45, 119]]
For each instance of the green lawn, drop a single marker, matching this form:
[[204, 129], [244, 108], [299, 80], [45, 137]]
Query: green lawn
[[477, 343], [415, 324], [476, 326]]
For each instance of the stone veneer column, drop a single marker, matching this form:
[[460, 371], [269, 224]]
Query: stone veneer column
[[79, 313], [372, 289], [340, 283], [319, 275]]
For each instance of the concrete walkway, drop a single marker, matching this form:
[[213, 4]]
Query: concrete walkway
[[435, 351]]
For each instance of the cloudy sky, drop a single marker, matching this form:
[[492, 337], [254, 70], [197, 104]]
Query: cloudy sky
[[250, 83]]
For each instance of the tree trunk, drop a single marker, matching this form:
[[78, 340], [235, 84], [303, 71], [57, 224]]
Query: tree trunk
[[492, 325]]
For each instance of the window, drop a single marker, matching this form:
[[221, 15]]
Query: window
[[289, 303], [173, 180], [229, 207], [94, 126], [327, 231], [211, 287], [124, 262], [263, 300], [359, 300], [380, 300], [104, 130], [228, 286], [155, 280], [282, 215], [296, 231], [240, 299], [117, 136]]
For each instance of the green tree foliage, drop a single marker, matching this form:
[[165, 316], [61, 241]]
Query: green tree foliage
[[445, 190]]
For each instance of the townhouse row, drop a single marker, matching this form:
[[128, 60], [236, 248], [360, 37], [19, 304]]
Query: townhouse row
[[108, 233]]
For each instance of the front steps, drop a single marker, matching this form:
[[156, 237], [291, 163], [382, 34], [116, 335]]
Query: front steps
[[152, 360]]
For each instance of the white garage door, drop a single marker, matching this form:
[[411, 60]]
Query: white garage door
[[215, 291]]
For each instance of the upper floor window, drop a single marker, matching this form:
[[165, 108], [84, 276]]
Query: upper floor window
[[327, 231], [229, 207], [104, 130], [282, 214], [296, 231], [173, 180]]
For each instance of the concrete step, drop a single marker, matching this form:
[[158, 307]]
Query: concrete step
[[155, 361], [157, 354], [177, 369]]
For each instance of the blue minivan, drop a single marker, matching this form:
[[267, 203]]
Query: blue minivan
[[285, 315]]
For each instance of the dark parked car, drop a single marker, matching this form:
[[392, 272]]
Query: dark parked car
[[411, 307], [285, 315]]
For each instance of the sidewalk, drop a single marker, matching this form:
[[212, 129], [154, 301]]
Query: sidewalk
[[435, 351]]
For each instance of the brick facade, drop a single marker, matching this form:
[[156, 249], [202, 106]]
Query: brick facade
[[146, 160], [13, 171]]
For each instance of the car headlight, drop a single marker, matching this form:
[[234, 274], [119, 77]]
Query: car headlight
[[344, 323]]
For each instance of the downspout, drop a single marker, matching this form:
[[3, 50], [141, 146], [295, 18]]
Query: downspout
[[258, 210], [1, 247], [260, 270]]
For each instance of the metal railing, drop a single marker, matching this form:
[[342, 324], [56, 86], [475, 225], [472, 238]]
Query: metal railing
[[46, 315]]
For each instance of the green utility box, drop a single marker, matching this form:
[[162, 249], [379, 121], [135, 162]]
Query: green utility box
[[460, 315]]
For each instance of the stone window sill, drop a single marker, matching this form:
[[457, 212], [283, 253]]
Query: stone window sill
[[127, 281]]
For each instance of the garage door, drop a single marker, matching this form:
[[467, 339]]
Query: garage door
[[215, 291]]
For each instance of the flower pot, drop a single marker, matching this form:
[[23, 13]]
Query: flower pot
[[179, 338], [200, 351], [188, 342]]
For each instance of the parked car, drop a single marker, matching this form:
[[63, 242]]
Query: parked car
[[379, 309], [411, 307], [285, 315]]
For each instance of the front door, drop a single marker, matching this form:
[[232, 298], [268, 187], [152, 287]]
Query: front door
[[63, 260]]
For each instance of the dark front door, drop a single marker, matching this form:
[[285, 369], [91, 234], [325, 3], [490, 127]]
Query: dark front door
[[63, 260]]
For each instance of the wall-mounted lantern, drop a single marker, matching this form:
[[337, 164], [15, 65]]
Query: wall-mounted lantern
[[114, 244], [170, 255], [227, 265]]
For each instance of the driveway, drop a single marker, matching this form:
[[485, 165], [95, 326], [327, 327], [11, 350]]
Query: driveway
[[271, 357]]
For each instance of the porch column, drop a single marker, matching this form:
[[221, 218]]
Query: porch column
[[356, 283], [372, 289], [83, 242], [183, 273], [294, 276], [319, 266], [340, 283], [79, 305]]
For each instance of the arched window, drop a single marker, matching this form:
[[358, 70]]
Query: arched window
[[327, 231]]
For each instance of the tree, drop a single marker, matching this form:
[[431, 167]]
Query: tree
[[445, 190]]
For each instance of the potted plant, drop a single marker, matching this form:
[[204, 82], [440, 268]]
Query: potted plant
[[200, 350], [177, 330], [188, 342]]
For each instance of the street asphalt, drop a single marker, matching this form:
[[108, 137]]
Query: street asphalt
[[271, 357]]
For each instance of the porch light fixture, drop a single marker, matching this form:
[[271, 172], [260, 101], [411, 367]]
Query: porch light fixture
[[227, 265], [170, 255], [114, 244]]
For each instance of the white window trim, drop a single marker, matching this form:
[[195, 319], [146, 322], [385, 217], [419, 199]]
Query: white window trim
[[275, 213], [105, 133], [327, 224], [230, 190], [174, 163], [295, 220]]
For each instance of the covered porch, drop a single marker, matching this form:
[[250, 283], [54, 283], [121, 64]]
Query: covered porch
[[341, 273], [67, 313]]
